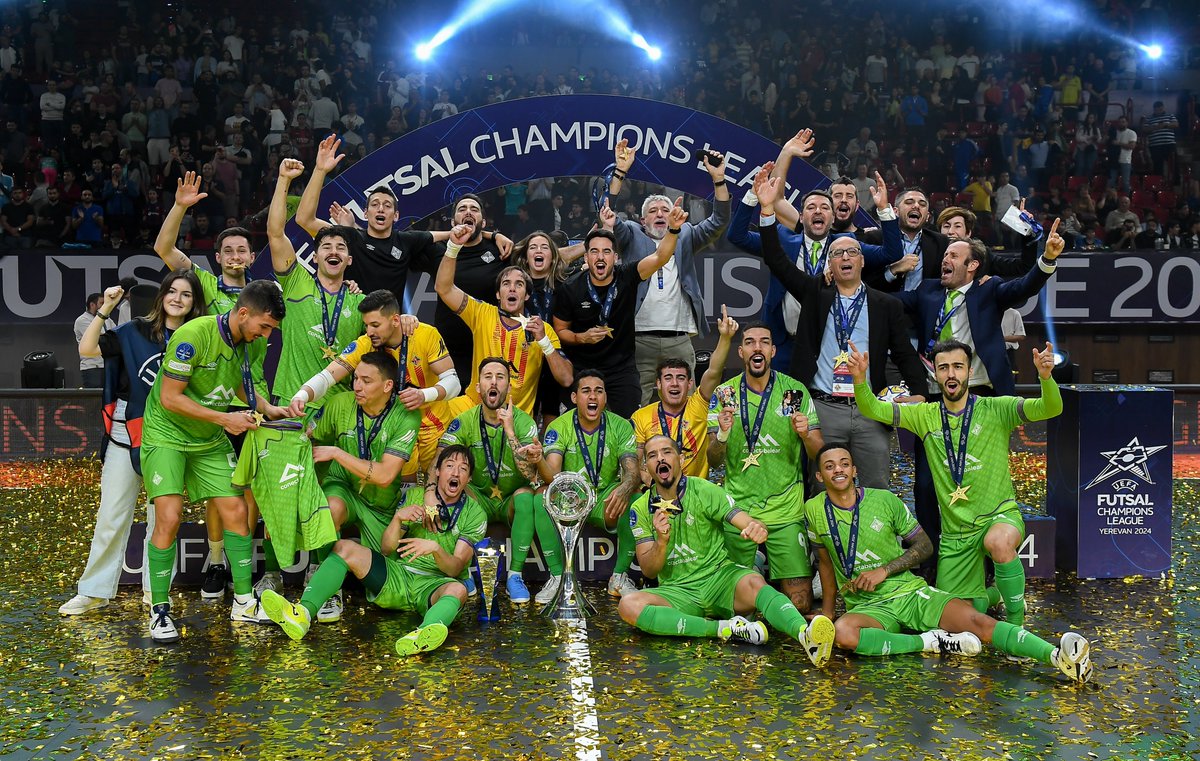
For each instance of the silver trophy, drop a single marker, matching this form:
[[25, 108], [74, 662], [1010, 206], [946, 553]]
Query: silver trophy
[[569, 500]]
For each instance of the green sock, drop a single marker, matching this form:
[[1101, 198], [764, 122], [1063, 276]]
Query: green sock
[[625, 544], [993, 595], [271, 563], [547, 534], [1010, 581], [880, 642], [1015, 640], [239, 550], [320, 554], [162, 563], [522, 531], [668, 622], [444, 611], [324, 584], [779, 611]]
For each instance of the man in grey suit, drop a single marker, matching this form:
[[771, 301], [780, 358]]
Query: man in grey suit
[[670, 307]]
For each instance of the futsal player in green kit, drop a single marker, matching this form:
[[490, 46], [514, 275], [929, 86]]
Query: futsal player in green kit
[[367, 436], [600, 446], [680, 526], [856, 533], [503, 440], [966, 438], [417, 567], [207, 364], [761, 423]]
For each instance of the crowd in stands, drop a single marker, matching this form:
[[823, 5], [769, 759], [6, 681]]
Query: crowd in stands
[[104, 109]]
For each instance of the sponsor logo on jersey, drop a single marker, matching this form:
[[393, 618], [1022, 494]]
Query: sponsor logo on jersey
[[488, 257], [346, 312], [681, 553], [158, 479], [221, 395], [455, 424], [396, 252], [318, 332], [185, 351], [877, 525], [633, 518], [181, 367], [1132, 459], [291, 475], [351, 348]]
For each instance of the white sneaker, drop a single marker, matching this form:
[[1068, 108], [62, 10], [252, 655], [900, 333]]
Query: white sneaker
[[740, 629], [548, 591], [162, 625], [620, 584], [80, 604], [1073, 657], [817, 640], [960, 643], [272, 580], [248, 611], [332, 609]]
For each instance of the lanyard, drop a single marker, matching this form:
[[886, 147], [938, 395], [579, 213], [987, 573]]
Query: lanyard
[[247, 380], [402, 363], [760, 416], [492, 458], [848, 318], [593, 472], [819, 267], [957, 460], [673, 507], [365, 440], [329, 324], [664, 423], [846, 555], [607, 305], [542, 302], [943, 320], [450, 519]]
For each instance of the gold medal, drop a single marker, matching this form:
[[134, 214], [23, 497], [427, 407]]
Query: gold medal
[[258, 417], [328, 352], [496, 493], [750, 461], [841, 359], [959, 494], [607, 330]]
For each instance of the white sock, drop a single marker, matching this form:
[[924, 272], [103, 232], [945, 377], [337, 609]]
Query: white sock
[[216, 552]]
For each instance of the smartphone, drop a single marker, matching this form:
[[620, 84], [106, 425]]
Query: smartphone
[[709, 157]]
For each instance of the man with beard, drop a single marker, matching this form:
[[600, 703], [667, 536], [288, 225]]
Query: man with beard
[[831, 317], [416, 568], [595, 313], [883, 596], [507, 331], [678, 525], [670, 306], [965, 438], [681, 412], [956, 222], [504, 438], [761, 423]]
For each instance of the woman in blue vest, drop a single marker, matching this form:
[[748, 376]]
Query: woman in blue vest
[[132, 355]]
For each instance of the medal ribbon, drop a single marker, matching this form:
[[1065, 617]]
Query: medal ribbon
[[846, 555], [848, 318], [957, 460], [593, 472], [607, 305], [365, 440], [450, 519], [664, 423], [493, 459], [247, 378], [329, 325], [765, 401], [943, 320], [402, 364]]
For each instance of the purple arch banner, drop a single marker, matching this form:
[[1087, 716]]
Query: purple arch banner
[[554, 136]]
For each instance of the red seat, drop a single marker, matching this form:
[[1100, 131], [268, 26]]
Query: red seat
[[1152, 182], [1167, 198], [965, 200], [1075, 183], [1144, 199], [1135, 182], [939, 198]]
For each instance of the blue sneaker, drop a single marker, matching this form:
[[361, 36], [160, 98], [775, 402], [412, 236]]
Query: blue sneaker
[[517, 591], [470, 585]]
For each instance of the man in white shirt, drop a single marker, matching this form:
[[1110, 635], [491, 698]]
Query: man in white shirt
[[324, 113], [1013, 328], [1125, 140], [52, 105], [91, 369]]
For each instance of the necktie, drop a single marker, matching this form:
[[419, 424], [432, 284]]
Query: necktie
[[815, 255], [947, 331]]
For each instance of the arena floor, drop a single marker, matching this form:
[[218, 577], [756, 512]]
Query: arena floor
[[95, 687]]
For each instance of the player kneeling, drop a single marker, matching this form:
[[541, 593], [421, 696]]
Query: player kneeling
[[678, 528], [418, 570], [855, 532]]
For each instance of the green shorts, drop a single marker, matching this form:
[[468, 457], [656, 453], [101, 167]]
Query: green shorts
[[919, 610], [960, 565], [498, 510], [787, 551], [202, 475], [406, 590], [710, 598], [371, 524], [596, 517]]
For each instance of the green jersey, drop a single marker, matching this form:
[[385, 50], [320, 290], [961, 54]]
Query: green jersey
[[201, 354], [310, 311], [986, 475], [219, 298], [562, 438], [696, 549], [882, 521], [778, 450], [278, 464], [469, 526], [465, 430], [394, 433]]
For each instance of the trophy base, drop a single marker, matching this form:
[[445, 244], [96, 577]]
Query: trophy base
[[569, 604]]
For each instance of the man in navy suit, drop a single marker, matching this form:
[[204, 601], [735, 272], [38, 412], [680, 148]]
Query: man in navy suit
[[962, 307]]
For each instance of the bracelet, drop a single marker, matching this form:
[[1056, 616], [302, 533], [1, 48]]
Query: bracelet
[[674, 230], [723, 436], [452, 249], [718, 183], [546, 346], [618, 174], [104, 316]]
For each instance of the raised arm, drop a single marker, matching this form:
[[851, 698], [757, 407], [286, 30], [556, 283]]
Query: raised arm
[[89, 344], [187, 194], [283, 253], [666, 247], [326, 161], [450, 294], [727, 328], [1050, 404], [794, 279], [800, 146]]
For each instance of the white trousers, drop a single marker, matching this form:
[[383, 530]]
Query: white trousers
[[119, 488]]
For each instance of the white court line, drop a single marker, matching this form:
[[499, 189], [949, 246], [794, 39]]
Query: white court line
[[583, 697]]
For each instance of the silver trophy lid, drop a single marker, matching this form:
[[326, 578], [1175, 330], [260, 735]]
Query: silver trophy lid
[[569, 497]]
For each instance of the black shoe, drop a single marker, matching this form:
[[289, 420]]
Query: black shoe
[[215, 579]]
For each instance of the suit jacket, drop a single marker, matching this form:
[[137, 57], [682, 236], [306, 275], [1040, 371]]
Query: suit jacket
[[876, 255], [986, 303], [888, 328], [933, 249]]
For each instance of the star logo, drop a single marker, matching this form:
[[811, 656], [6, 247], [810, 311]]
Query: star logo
[[1131, 459]]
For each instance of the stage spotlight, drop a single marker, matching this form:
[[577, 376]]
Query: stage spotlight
[[1153, 52], [1065, 371], [653, 52], [424, 51]]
